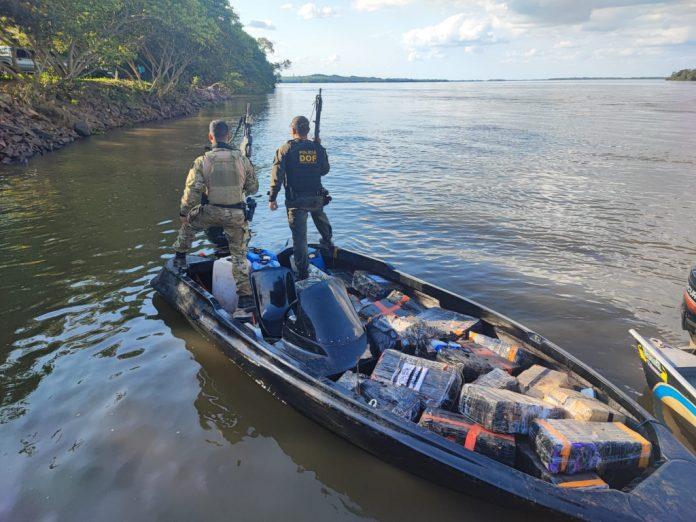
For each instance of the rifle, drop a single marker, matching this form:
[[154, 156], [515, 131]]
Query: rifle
[[318, 104], [247, 120]]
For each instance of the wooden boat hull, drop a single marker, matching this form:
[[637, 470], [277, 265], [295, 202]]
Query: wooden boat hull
[[421, 452]]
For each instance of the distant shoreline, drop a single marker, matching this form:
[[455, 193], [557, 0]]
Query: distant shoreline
[[321, 78]]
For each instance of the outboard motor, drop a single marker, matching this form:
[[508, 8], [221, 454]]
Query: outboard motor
[[689, 306], [325, 332], [274, 293]]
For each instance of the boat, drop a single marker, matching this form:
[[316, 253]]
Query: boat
[[671, 376], [301, 339]]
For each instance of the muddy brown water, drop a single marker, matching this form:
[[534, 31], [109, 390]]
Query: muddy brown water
[[568, 206]]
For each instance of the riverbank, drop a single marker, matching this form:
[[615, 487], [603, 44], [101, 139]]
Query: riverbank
[[33, 123]]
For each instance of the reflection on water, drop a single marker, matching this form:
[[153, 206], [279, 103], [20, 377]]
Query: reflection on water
[[564, 205]]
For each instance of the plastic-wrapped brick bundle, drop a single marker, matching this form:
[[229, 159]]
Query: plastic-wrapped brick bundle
[[498, 378], [437, 383], [398, 400], [415, 335], [529, 462], [395, 303], [571, 446], [540, 376], [504, 411], [372, 286], [473, 437], [580, 407], [381, 336], [506, 350], [447, 323], [475, 359]]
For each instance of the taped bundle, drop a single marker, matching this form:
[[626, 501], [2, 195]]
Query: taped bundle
[[511, 352], [529, 462], [504, 411], [540, 376], [571, 446], [396, 303], [397, 400], [580, 407], [437, 383], [498, 378], [372, 286], [472, 366], [473, 437], [381, 336], [448, 324]]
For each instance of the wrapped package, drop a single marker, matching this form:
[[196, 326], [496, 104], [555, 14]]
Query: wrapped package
[[580, 407], [511, 352], [504, 411], [498, 378], [471, 365], [480, 353], [448, 324], [529, 462], [437, 383], [381, 336], [474, 437], [398, 400], [540, 377], [571, 446], [414, 334], [372, 286], [395, 303]]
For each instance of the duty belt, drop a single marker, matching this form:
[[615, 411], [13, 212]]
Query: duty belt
[[238, 206]]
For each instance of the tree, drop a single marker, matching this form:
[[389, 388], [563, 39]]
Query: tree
[[72, 38]]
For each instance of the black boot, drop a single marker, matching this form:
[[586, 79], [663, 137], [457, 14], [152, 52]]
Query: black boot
[[246, 302], [180, 261]]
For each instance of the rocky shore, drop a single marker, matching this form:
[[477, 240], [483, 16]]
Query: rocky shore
[[32, 124]]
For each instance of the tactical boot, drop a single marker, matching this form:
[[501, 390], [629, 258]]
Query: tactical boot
[[246, 302], [180, 261]]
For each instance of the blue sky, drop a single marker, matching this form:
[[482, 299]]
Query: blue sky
[[477, 39]]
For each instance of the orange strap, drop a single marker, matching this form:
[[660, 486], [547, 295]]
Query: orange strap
[[690, 304], [645, 445], [512, 354], [582, 483], [472, 436], [565, 443], [390, 310]]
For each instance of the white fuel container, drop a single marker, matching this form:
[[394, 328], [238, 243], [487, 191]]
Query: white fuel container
[[224, 285]]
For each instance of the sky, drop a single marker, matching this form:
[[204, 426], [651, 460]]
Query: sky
[[477, 39]]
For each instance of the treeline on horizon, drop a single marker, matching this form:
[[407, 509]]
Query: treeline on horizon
[[688, 75], [163, 45]]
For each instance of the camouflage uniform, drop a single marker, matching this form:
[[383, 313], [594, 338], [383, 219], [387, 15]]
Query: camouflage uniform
[[226, 177], [298, 166]]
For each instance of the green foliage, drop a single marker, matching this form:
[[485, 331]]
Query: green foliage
[[162, 45], [684, 75]]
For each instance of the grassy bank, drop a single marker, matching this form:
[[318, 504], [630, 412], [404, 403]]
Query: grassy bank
[[35, 119]]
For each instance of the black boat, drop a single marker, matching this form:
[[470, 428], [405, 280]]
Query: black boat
[[321, 337]]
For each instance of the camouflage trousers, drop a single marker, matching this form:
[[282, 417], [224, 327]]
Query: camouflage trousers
[[297, 219], [236, 230]]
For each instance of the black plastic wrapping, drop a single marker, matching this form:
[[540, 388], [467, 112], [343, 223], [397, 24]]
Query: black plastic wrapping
[[504, 411], [472, 366], [498, 378], [372, 286], [398, 400], [381, 336], [509, 351], [529, 462], [437, 383], [473, 437], [571, 446], [415, 335]]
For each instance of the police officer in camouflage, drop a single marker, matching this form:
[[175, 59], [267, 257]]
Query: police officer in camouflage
[[225, 176], [298, 166]]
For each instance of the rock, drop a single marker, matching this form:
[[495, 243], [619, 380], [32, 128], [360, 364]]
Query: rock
[[82, 128]]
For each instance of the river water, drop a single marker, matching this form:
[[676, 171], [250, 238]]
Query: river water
[[568, 206]]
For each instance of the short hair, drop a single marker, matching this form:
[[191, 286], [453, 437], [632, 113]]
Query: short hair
[[219, 130], [300, 125]]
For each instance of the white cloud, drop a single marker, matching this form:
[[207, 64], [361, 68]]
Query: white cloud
[[564, 44], [262, 24], [333, 59], [458, 30], [311, 10], [286, 6], [374, 5]]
